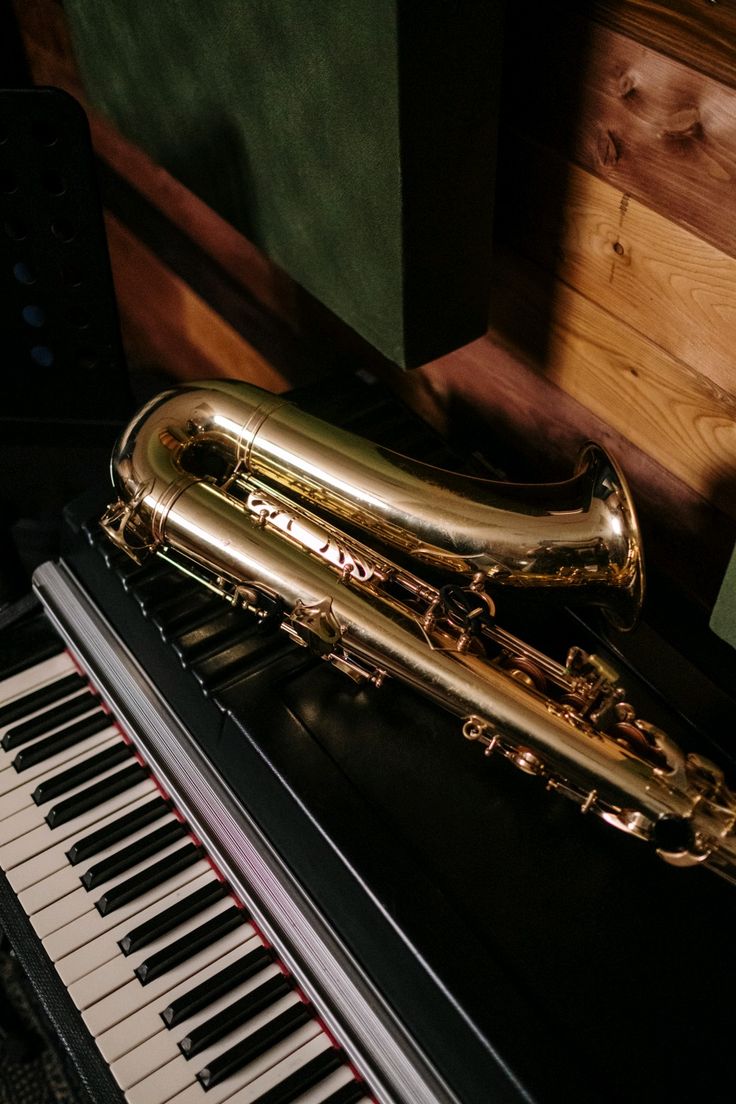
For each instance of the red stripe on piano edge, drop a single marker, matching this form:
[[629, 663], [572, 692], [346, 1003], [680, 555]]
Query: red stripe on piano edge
[[123, 734], [80, 669], [322, 1025], [265, 941], [221, 877]]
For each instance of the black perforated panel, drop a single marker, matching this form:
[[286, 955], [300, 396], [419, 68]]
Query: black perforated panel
[[61, 355]]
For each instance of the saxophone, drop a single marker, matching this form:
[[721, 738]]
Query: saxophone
[[268, 506]]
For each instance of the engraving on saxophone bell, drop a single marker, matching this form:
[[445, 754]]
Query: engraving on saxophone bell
[[266, 533], [308, 535]]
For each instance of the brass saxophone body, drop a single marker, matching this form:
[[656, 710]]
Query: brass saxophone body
[[206, 482]]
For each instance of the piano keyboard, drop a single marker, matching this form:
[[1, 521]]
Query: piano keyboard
[[184, 997]]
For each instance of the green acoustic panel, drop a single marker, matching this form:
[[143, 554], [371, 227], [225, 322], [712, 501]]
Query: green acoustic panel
[[352, 140], [723, 618]]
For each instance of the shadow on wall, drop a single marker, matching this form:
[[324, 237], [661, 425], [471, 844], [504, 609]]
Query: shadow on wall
[[532, 98]]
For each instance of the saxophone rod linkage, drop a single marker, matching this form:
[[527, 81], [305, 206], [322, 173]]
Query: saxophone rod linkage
[[372, 618]]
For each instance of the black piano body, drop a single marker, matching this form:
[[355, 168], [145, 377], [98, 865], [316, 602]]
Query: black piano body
[[526, 952]]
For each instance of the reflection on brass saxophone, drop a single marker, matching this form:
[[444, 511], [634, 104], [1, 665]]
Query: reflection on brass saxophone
[[205, 480]]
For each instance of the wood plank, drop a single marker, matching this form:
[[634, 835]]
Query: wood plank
[[699, 34], [47, 42], [672, 286], [651, 126], [246, 264], [50, 51], [670, 412], [178, 331], [507, 407]]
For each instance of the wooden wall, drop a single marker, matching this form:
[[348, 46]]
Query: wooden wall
[[614, 308], [616, 259]]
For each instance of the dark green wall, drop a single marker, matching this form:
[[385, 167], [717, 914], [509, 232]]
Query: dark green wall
[[351, 139]]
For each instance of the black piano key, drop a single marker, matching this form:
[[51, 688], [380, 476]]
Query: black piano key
[[125, 825], [149, 878], [26, 731], [95, 794], [134, 853], [204, 994], [213, 635], [171, 917], [61, 740], [32, 641], [152, 585], [81, 772], [192, 607], [235, 1015], [189, 944], [37, 699], [305, 1078], [346, 1094], [247, 1050], [221, 668]]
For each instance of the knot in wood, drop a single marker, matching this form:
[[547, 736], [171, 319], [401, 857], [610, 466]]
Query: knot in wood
[[684, 125], [608, 147], [627, 85]]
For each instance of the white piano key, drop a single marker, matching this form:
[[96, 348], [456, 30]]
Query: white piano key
[[68, 878], [162, 1048], [7, 756], [34, 677], [134, 1030], [177, 1075], [93, 986], [64, 941], [51, 856], [26, 820], [328, 1086], [93, 953], [245, 1086], [12, 780], [34, 839], [132, 995], [79, 901]]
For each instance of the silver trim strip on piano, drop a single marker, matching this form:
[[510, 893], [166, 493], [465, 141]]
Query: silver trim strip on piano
[[381, 1049]]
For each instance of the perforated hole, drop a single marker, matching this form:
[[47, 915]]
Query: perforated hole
[[80, 317], [8, 181], [72, 275], [53, 183], [23, 273], [34, 315], [44, 132], [63, 229], [15, 229], [88, 360], [42, 355]]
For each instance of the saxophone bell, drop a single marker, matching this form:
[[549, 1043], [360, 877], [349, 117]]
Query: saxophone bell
[[578, 537], [267, 532]]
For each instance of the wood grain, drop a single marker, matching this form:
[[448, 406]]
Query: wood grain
[[649, 125], [522, 412], [45, 34], [699, 34], [246, 264], [176, 329], [675, 415], [659, 278]]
